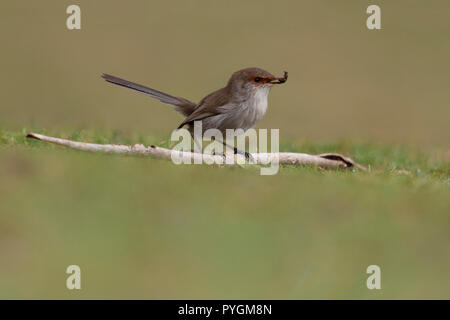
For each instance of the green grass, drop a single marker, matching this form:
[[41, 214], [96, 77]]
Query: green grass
[[145, 228], [379, 158]]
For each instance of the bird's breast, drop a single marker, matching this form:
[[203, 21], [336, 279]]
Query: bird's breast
[[257, 104]]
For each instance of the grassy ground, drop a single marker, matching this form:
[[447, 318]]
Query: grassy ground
[[142, 228]]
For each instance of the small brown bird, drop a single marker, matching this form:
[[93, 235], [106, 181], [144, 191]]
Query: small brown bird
[[239, 105]]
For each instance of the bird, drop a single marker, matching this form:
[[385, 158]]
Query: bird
[[238, 105]]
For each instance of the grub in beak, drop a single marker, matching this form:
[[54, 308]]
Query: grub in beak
[[281, 79]]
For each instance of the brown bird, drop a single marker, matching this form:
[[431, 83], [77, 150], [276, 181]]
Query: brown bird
[[238, 105]]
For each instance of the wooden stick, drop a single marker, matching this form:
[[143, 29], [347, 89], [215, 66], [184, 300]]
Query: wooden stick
[[326, 160]]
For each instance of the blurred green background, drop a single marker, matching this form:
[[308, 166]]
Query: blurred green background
[[345, 80], [141, 228]]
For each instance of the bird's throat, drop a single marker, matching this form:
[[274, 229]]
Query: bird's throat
[[259, 101]]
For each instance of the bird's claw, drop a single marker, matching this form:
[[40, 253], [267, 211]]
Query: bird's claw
[[249, 157]]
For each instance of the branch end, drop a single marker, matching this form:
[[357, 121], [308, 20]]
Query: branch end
[[347, 162], [32, 136]]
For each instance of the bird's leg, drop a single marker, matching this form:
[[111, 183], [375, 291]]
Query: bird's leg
[[247, 155], [198, 144]]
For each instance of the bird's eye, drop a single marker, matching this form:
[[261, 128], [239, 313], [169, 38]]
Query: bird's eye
[[257, 79]]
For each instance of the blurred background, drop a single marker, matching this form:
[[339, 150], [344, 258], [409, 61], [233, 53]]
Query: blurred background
[[140, 228], [345, 80]]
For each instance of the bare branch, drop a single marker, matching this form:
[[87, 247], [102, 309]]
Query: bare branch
[[326, 160]]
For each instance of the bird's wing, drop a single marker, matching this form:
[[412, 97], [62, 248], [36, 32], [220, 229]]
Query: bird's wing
[[208, 106]]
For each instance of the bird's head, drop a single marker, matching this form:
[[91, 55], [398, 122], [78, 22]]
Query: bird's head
[[250, 80]]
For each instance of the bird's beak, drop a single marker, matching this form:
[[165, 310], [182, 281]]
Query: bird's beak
[[280, 80]]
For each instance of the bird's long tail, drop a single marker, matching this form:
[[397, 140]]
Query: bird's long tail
[[182, 105]]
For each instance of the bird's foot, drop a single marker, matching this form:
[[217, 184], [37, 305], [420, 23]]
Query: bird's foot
[[247, 155]]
